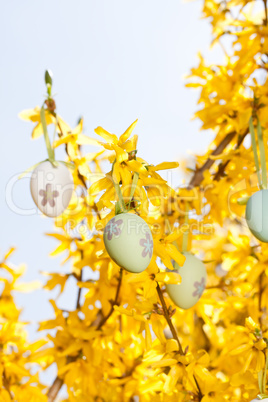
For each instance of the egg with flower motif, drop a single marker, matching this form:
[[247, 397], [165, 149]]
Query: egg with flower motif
[[257, 215], [51, 188], [128, 241], [193, 282]]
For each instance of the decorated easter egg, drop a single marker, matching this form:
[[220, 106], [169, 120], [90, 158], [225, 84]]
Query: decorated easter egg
[[257, 215], [193, 282], [51, 188], [128, 241]]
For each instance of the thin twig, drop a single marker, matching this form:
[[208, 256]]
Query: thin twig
[[261, 288], [174, 333], [222, 166], [168, 319], [7, 385], [80, 288], [200, 395], [54, 389], [198, 176]]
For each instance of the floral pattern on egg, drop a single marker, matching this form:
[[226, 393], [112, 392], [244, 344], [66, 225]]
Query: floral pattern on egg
[[48, 195], [147, 245], [113, 228], [200, 287]]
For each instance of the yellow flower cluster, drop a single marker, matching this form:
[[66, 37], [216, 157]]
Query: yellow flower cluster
[[19, 379]]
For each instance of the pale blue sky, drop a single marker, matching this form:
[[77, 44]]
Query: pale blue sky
[[113, 61]]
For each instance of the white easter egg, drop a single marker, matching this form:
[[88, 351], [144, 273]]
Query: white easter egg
[[128, 241], [51, 188], [257, 215], [193, 282], [258, 400]]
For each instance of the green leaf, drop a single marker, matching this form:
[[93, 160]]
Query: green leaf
[[48, 77]]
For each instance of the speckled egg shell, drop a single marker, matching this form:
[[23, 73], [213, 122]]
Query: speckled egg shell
[[51, 188], [257, 215], [193, 281], [128, 241]]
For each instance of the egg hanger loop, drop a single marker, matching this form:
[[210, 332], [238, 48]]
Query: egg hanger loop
[[133, 188], [262, 379], [186, 233], [262, 179], [50, 150], [120, 206], [262, 154]]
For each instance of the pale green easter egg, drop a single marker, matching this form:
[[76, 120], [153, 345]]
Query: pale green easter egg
[[128, 241], [51, 188], [193, 282], [257, 215]]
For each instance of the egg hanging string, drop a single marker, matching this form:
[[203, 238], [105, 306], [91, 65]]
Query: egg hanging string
[[186, 233], [262, 379], [133, 188], [50, 150], [262, 179], [120, 206]]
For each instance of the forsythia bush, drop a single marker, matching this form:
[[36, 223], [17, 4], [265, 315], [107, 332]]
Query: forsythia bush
[[126, 340]]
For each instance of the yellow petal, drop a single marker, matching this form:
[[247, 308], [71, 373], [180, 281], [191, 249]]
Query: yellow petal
[[164, 363], [158, 328], [131, 145], [175, 254], [121, 155], [148, 336], [79, 128], [83, 139], [110, 138], [100, 185], [163, 166], [128, 132], [168, 277], [172, 346], [31, 114]]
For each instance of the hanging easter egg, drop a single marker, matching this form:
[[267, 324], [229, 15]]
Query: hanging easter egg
[[128, 241], [51, 188], [193, 282], [257, 215]]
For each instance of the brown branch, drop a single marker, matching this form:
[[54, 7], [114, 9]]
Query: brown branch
[[168, 319], [261, 288], [7, 385], [174, 333], [80, 288], [222, 166], [54, 389], [200, 394], [198, 176]]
